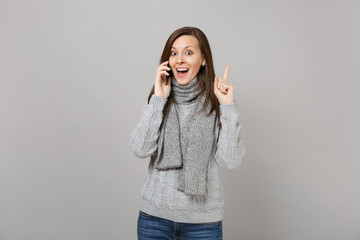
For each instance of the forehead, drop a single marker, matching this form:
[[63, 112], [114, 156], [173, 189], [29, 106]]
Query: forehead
[[185, 41]]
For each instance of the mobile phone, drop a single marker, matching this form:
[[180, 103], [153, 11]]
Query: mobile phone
[[170, 72]]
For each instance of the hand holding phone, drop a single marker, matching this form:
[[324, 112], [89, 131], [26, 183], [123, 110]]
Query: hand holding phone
[[162, 81]]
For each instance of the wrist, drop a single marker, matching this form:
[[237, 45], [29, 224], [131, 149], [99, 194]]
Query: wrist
[[160, 95]]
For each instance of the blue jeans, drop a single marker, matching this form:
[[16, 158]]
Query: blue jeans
[[151, 227]]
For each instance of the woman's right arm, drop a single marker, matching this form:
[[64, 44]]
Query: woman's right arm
[[143, 139]]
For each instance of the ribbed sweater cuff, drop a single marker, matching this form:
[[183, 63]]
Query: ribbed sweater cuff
[[157, 101], [228, 110]]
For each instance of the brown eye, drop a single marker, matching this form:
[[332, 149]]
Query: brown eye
[[189, 53], [173, 53]]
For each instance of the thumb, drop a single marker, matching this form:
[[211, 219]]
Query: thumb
[[216, 82]]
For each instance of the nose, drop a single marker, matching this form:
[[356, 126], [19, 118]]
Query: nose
[[179, 59]]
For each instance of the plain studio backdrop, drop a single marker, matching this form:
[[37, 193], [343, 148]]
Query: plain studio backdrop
[[74, 75]]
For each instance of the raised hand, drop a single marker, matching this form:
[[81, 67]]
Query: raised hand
[[162, 81], [224, 90]]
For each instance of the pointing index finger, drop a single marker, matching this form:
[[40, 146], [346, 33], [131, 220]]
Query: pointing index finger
[[225, 77]]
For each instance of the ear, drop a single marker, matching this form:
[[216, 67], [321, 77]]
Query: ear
[[203, 62]]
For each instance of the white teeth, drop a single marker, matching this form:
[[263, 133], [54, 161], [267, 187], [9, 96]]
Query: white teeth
[[182, 69]]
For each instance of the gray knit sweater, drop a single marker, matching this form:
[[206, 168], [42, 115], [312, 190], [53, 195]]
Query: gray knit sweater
[[160, 195]]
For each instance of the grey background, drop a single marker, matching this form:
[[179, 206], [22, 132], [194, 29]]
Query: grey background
[[74, 75]]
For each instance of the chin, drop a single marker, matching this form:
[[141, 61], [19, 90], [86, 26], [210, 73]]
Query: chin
[[183, 81]]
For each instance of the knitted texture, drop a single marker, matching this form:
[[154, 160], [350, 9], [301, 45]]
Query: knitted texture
[[160, 195], [189, 148]]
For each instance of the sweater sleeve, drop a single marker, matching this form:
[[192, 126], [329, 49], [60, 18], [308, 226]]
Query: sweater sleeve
[[143, 139], [230, 149]]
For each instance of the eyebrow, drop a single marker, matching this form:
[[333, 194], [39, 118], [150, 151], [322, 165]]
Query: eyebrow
[[185, 47]]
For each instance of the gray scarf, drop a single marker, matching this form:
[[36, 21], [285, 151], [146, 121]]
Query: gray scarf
[[191, 148]]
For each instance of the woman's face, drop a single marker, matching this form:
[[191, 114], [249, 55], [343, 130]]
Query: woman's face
[[185, 59]]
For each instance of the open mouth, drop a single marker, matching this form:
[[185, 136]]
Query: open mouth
[[181, 72]]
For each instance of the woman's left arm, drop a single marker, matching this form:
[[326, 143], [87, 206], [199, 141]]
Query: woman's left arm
[[230, 147]]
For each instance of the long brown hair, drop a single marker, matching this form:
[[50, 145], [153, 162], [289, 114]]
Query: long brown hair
[[206, 74]]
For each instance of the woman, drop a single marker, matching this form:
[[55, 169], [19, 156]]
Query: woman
[[188, 126]]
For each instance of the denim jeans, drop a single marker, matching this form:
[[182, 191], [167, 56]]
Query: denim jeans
[[151, 227]]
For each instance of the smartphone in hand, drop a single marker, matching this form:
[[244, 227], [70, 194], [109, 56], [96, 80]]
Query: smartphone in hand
[[170, 72], [170, 75]]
